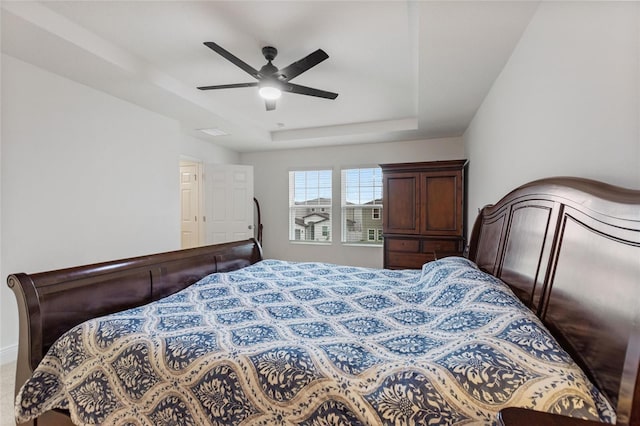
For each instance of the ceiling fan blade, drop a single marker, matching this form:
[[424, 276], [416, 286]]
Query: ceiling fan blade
[[228, 86], [270, 104], [233, 59], [295, 69], [309, 91]]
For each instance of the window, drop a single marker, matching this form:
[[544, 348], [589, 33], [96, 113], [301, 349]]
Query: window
[[362, 205], [310, 205], [374, 234]]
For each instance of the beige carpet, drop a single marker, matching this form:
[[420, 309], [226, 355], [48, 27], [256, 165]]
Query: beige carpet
[[7, 380]]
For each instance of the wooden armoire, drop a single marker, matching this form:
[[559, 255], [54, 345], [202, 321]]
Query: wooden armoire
[[424, 212]]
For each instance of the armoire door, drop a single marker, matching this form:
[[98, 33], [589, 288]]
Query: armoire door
[[442, 204], [402, 206]]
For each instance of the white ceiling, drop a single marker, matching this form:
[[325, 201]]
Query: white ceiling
[[403, 70]]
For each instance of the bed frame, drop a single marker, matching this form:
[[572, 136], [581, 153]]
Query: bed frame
[[568, 247], [50, 303], [570, 250]]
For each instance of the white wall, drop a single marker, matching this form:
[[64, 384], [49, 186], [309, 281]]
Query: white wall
[[86, 177], [272, 190], [206, 152], [566, 103]]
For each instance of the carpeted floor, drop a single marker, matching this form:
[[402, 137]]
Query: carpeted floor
[[7, 380]]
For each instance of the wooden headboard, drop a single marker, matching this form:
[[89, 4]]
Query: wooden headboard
[[50, 303], [570, 249]]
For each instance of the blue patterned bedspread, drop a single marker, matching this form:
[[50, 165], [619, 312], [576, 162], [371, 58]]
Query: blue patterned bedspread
[[281, 343]]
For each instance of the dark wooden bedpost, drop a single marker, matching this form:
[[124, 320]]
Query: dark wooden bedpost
[[30, 330]]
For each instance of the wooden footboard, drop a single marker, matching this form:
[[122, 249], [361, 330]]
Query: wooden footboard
[[50, 303]]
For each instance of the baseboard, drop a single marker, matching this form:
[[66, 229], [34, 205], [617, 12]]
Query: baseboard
[[8, 354]]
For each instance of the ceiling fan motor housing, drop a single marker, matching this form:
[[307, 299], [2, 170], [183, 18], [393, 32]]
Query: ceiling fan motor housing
[[268, 70], [269, 53]]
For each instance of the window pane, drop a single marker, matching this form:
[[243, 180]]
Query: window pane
[[310, 205], [362, 205]]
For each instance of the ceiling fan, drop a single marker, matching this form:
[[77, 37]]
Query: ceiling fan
[[271, 80]]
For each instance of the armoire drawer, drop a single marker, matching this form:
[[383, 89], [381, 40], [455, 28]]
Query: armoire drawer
[[449, 246], [412, 253], [399, 260], [402, 245]]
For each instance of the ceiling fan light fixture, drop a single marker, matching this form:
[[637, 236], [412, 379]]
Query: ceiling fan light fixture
[[271, 80], [270, 93]]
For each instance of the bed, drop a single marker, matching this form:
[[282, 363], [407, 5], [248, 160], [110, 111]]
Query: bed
[[462, 341]]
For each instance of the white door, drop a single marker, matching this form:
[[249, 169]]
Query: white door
[[229, 203], [190, 214]]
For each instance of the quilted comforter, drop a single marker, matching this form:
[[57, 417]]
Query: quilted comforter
[[315, 344]]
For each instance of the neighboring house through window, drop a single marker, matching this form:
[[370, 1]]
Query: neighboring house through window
[[310, 205], [374, 235], [362, 205]]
